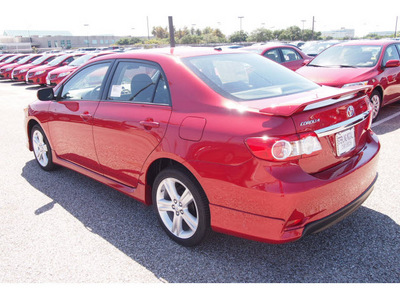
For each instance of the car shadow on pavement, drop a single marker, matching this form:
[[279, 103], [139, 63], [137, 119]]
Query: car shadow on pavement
[[362, 248]]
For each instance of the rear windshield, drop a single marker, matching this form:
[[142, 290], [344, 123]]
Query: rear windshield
[[246, 77]]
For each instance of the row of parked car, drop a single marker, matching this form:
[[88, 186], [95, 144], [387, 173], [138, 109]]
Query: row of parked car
[[368, 62], [43, 69], [375, 63]]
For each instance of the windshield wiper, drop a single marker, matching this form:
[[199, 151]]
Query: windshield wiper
[[346, 66], [312, 65]]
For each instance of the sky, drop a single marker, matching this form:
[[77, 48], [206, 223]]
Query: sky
[[121, 17]]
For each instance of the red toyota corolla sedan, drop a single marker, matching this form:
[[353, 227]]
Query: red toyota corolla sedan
[[6, 70], [56, 76], [370, 62], [286, 55], [228, 141], [12, 59], [38, 75], [19, 73]]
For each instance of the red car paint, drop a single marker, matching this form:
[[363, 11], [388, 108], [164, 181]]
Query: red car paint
[[286, 55], [56, 76], [38, 75], [6, 70], [224, 143], [19, 73], [12, 59], [331, 69]]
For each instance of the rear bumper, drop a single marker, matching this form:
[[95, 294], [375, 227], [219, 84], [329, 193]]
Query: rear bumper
[[293, 203], [324, 223]]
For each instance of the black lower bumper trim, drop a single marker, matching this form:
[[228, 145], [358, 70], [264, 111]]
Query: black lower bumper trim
[[339, 215]]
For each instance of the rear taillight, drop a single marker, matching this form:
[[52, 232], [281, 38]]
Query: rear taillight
[[284, 148]]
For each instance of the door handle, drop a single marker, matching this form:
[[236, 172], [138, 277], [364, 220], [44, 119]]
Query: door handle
[[149, 124], [86, 116]]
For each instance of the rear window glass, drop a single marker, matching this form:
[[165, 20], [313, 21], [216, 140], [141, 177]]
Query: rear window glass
[[245, 77]]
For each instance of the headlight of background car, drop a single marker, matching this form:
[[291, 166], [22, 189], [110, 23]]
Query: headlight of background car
[[63, 74], [40, 72], [355, 83], [8, 69], [23, 70]]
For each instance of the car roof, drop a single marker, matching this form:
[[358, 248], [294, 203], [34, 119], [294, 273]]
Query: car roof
[[172, 52], [382, 42]]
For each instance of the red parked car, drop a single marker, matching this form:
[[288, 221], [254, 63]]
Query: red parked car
[[56, 76], [38, 75], [372, 62], [228, 141], [19, 73], [286, 55], [12, 59], [6, 70]]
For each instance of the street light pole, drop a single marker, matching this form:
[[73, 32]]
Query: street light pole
[[87, 25], [240, 18]]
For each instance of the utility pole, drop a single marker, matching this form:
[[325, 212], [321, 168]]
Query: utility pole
[[171, 32], [312, 34], [395, 29], [241, 35], [148, 29]]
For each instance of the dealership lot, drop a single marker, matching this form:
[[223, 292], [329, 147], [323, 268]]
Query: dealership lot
[[64, 227]]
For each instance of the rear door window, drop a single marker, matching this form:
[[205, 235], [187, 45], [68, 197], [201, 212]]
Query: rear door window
[[139, 82]]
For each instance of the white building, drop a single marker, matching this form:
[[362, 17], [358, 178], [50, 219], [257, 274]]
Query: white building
[[339, 34]]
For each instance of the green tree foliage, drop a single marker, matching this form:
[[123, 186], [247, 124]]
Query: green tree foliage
[[210, 35], [160, 32], [261, 35], [238, 36]]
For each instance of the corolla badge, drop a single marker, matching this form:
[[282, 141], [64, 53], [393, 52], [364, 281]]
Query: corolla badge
[[350, 111], [309, 122]]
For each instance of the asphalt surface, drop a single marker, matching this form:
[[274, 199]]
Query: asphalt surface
[[64, 227]]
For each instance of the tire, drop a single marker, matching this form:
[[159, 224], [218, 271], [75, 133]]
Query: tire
[[42, 149], [182, 206], [376, 101]]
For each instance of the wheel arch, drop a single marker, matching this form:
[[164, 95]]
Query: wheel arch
[[30, 124], [160, 164]]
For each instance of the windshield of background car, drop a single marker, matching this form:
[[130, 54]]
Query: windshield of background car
[[59, 59], [249, 76], [40, 60], [25, 59], [355, 56], [10, 59], [81, 60]]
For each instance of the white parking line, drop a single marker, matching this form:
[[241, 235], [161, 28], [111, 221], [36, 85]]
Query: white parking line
[[385, 119]]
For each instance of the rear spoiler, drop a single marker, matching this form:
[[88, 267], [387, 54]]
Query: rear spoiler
[[303, 104]]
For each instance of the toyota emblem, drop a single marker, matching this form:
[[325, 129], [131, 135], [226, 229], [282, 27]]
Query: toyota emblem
[[350, 111]]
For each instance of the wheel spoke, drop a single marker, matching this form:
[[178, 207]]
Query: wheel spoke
[[169, 185], [186, 198], [190, 220], [177, 225], [164, 205]]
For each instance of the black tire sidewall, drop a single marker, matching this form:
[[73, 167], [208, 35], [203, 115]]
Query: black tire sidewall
[[200, 199]]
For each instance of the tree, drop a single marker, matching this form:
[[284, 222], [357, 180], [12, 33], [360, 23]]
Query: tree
[[261, 35], [238, 36], [160, 33]]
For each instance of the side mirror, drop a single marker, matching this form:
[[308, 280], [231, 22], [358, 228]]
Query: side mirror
[[392, 63], [306, 62], [45, 94]]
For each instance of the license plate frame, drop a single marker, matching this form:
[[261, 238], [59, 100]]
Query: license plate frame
[[345, 141]]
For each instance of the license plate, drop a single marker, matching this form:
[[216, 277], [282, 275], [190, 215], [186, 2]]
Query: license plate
[[345, 141]]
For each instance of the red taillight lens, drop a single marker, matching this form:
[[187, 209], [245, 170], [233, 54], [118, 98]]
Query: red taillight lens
[[284, 148]]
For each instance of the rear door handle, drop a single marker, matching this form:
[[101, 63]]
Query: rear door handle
[[86, 116], [149, 124]]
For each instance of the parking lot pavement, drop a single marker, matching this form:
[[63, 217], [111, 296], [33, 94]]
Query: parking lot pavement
[[64, 227]]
